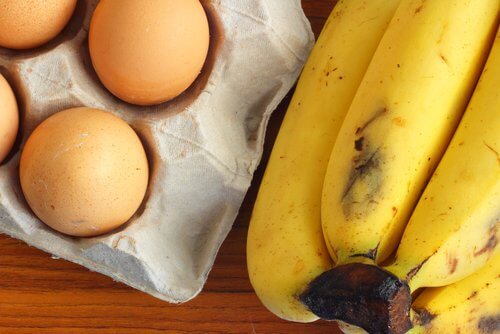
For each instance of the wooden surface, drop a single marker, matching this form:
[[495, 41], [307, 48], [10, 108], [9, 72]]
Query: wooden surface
[[41, 295]]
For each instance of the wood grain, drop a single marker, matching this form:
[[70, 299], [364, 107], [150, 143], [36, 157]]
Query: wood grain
[[41, 295]]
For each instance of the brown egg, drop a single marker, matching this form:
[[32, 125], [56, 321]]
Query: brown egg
[[26, 24], [84, 172], [148, 51], [9, 118]]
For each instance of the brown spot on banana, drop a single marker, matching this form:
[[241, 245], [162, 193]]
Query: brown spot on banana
[[472, 295], [358, 144], [399, 121], [366, 169], [299, 267], [416, 269], [443, 58], [491, 243], [489, 324], [420, 7], [422, 317], [452, 264], [394, 211]]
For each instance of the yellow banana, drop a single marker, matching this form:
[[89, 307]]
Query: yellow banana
[[396, 130], [466, 307], [285, 248], [401, 121], [455, 227]]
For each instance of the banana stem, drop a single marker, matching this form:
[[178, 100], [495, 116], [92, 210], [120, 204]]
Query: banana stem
[[363, 295]]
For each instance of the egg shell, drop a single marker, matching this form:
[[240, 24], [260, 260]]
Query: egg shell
[[148, 51], [84, 172], [9, 118], [26, 24]]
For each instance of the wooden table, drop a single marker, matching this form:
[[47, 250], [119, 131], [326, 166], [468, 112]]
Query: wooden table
[[42, 295]]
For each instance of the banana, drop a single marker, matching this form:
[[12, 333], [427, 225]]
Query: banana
[[455, 227], [468, 306], [400, 122], [396, 130], [285, 248]]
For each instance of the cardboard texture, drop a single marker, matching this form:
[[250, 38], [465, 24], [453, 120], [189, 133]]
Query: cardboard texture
[[203, 147]]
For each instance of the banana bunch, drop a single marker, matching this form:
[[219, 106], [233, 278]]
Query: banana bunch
[[452, 233], [400, 207]]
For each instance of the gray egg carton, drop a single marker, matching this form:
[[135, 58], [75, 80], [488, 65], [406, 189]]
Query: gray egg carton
[[203, 147]]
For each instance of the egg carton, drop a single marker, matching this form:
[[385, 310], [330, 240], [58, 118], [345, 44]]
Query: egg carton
[[203, 147]]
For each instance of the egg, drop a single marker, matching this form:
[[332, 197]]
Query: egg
[[147, 52], [84, 172], [26, 24], [9, 118]]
